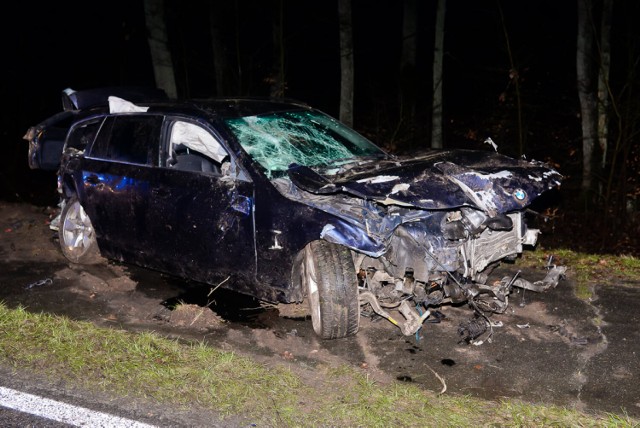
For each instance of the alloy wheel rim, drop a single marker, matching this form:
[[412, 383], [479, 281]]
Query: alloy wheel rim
[[77, 229], [310, 278]]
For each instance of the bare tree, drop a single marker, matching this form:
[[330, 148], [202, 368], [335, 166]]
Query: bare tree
[[514, 77], [158, 45], [220, 63], [346, 62], [277, 79], [438, 56], [586, 92], [603, 79], [407, 92]]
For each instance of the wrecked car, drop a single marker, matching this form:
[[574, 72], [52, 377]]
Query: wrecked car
[[291, 204]]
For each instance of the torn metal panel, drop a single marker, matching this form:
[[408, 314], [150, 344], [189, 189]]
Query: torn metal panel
[[549, 281], [497, 184], [356, 238]]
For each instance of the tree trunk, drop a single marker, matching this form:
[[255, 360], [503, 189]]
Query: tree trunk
[[239, 69], [407, 93], [220, 63], [277, 82], [438, 57], [346, 62], [158, 45], [588, 104], [514, 76], [603, 80]]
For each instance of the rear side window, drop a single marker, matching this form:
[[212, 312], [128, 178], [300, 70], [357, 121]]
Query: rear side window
[[83, 135], [131, 139]]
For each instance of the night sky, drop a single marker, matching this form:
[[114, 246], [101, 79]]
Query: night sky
[[56, 45]]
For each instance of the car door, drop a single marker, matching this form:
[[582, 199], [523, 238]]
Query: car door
[[201, 218], [116, 174]]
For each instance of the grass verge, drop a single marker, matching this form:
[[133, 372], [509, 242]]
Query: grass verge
[[148, 366]]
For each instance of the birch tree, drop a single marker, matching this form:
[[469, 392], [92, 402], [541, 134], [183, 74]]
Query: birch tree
[[158, 45]]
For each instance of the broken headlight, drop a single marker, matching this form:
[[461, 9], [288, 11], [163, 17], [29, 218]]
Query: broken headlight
[[467, 222]]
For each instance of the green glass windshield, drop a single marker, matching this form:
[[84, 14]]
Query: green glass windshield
[[308, 138]]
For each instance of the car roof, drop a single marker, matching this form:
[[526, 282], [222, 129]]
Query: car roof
[[95, 101], [73, 100], [227, 108]]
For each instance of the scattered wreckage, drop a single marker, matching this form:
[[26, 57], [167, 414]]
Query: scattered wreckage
[[290, 203]]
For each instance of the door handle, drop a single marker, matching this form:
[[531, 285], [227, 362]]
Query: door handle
[[92, 179], [162, 192]]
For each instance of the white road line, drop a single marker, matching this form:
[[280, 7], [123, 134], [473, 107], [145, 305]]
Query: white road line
[[63, 412]]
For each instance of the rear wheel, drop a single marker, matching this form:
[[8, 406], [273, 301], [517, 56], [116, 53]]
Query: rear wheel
[[77, 237], [328, 276]]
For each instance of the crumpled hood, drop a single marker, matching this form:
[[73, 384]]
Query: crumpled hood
[[486, 180]]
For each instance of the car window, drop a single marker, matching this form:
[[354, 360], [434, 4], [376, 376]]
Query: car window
[[83, 134], [193, 148], [129, 138], [185, 135], [308, 138]]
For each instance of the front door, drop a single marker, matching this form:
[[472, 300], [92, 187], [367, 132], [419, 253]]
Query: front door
[[200, 213]]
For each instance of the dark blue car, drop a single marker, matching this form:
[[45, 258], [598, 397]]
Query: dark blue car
[[289, 202]]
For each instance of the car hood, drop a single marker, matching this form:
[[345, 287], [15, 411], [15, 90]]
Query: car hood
[[488, 181]]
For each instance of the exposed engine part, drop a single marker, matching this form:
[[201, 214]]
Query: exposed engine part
[[423, 270], [386, 294], [413, 321], [472, 329]]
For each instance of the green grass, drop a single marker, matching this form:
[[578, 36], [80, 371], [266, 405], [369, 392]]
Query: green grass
[[148, 366]]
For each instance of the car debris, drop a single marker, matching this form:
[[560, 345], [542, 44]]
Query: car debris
[[291, 204], [39, 283], [491, 143]]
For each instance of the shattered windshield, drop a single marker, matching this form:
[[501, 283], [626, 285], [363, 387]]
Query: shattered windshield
[[308, 138]]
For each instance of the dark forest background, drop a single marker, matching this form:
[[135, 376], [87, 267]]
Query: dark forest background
[[489, 46]]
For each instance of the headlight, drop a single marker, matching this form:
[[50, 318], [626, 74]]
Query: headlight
[[467, 222]]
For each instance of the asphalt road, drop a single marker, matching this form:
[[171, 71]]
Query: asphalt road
[[551, 348]]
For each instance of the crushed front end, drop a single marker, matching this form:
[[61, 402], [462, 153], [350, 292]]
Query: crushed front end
[[447, 258], [428, 231]]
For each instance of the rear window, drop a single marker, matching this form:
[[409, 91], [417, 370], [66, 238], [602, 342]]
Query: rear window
[[130, 139]]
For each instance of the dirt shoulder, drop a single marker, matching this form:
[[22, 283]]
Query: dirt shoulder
[[548, 348]]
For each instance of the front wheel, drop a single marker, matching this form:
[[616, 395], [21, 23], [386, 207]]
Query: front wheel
[[77, 237], [328, 276]]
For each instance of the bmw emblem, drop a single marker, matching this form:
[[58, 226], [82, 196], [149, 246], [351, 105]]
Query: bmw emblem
[[520, 194]]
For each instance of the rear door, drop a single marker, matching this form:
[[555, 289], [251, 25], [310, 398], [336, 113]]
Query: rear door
[[117, 173]]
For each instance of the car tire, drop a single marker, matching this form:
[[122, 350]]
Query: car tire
[[330, 284], [77, 237]]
